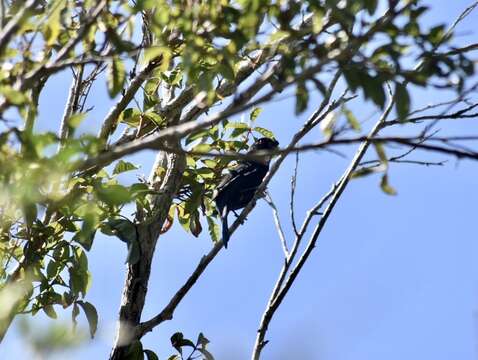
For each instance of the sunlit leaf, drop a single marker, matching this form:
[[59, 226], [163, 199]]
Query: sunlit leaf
[[123, 166], [116, 76], [385, 186], [264, 132]]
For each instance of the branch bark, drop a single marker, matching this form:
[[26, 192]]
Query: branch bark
[[148, 231]]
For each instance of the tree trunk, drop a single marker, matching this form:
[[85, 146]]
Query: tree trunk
[[149, 228]]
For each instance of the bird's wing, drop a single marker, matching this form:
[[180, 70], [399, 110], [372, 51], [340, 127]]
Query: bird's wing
[[243, 169]]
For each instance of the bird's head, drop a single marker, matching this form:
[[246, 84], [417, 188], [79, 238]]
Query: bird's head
[[264, 144]]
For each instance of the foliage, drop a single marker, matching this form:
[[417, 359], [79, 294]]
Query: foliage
[[52, 207]]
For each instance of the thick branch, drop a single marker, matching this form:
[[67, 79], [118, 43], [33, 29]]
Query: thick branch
[[111, 120], [148, 230]]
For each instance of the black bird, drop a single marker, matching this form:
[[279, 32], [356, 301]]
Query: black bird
[[237, 187]]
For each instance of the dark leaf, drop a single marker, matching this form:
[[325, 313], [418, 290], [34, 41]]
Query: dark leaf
[[50, 311], [91, 316], [178, 341], [207, 354], [150, 355], [195, 224], [402, 102], [135, 351]]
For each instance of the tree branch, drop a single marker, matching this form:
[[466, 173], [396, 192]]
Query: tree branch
[[168, 311], [281, 291], [11, 27], [280, 231]]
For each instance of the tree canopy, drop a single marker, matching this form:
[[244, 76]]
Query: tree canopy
[[178, 73]]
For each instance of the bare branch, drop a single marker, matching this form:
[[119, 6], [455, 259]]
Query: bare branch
[[71, 104], [280, 231], [460, 114], [282, 292], [293, 183]]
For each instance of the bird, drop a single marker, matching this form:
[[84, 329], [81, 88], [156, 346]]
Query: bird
[[237, 187]]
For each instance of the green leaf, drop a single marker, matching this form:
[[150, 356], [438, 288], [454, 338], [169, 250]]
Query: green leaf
[[236, 125], [226, 71], [202, 148], [373, 88], [80, 281], [53, 268], [207, 354], [381, 153], [202, 340], [351, 119], [201, 134], [116, 76], [370, 5], [130, 116], [301, 98], [239, 128], [195, 224], [178, 341], [402, 102], [213, 229], [91, 316], [13, 96], [114, 194], [155, 118], [123, 166], [365, 171], [74, 313], [150, 355], [385, 186], [124, 229], [159, 53], [135, 351], [255, 113], [87, 232], [50, 311], [53, 25], [183, 217], [264, 132], [75, 120]]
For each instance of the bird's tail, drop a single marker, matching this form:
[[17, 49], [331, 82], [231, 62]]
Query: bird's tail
[[225, 227]]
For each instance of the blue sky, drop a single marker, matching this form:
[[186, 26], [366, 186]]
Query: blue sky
[[391, 277]]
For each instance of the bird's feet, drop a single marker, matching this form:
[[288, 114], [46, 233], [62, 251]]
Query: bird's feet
[[237, 216]]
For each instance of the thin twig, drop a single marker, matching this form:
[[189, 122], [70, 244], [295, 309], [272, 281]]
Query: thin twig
[[282, 292], [280, 231], [293, 183]]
